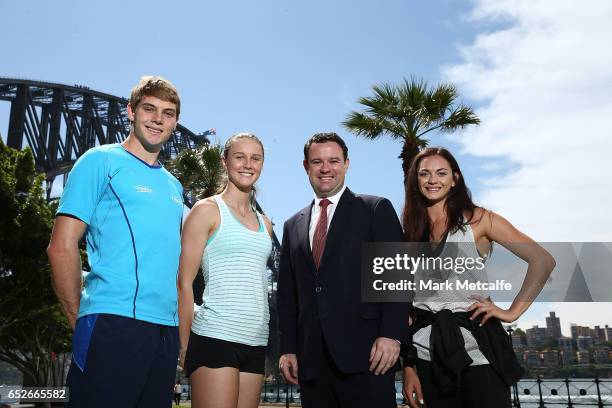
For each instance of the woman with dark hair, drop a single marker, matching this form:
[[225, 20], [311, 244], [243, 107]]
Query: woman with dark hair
[[223, 344], [460, 355]]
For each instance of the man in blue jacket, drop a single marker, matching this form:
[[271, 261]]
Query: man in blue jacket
[[124, 313]]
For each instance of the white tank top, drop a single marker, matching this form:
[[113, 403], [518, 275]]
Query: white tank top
[[235, 301], [458, 244]]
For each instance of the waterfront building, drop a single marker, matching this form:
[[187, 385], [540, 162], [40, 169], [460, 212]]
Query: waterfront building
[[550, 358], [601, 355], [531, 357], [608, 333], [584, 342], [567, 350], [599, 335], [553, 326], [577, 331], [536, 336], [517, 342], [583, 357]]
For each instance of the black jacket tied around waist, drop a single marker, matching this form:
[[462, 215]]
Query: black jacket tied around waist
[[447, 347]]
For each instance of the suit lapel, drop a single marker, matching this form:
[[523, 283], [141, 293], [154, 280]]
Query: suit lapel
[[303, 226], [340, 220]]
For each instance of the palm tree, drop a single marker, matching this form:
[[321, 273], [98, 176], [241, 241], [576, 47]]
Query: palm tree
[[199, 170], [408, 112]]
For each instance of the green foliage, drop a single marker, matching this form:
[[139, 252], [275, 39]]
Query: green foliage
[[519, 332], [201, 173], [32, 325], [409, 111], [199, 170]]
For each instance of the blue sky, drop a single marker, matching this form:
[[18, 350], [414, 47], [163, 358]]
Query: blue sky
[[285, 70]]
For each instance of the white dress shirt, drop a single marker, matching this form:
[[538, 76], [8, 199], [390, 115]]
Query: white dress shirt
[[315, 212]]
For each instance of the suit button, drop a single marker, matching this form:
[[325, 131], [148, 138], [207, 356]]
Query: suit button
[[318, 289]]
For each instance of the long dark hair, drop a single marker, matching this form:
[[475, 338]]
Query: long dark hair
[[459, 201]]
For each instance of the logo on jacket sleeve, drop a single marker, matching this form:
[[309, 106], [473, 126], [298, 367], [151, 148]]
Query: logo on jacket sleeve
[[143, 189]]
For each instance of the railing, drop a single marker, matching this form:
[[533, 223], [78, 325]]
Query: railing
[[534, 393], [278, 392], [562, 392], [527, 393], [538, 393]]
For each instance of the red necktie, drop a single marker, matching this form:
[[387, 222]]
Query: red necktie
[[320, 234]]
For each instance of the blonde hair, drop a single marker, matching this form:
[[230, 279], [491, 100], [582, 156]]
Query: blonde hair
[[226, 150], [241, 135]]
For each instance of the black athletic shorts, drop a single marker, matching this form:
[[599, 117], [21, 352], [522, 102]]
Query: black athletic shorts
[[110, 351], [209, 352]]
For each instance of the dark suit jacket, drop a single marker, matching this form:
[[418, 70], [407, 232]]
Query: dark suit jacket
[[325, 305]]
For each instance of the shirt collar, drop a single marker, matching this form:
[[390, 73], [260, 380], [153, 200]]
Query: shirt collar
[[334, 199]]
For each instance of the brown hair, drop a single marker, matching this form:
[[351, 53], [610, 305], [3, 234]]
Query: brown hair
[[158, 87], [324, 138], [459, 200]]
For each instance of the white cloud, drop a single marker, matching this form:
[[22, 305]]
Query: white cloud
[[542, 84]]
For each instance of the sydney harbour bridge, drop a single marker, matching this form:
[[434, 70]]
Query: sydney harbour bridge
[[61, 122]]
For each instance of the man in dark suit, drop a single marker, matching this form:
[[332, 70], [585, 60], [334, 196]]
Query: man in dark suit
[[341, 351]]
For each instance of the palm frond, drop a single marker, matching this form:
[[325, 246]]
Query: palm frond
[[408, 112], [440, 100], [460, 118], [363, 125], [199, 170]]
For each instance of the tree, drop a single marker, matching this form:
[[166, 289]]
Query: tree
[[201, 173], [34, 334], [407, 112], [199, 170], [519, 332]]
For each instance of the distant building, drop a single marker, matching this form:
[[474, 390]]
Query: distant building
[[517, 342], [599, 335], [583, 357], [567, 357], [574, 331], [601, 355], [577, 331], [608, 333], [536, 336], [567, 350], [550, 358], [584, 342], [553, 326], [531, 357]]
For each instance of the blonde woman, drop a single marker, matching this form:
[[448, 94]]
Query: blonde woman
[[223, 345]]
